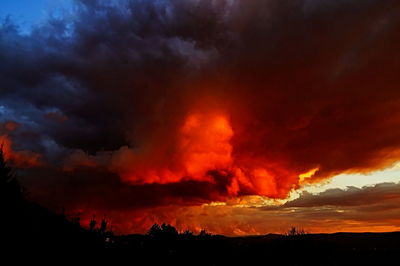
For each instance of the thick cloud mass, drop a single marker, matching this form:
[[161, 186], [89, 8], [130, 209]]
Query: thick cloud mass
[[351, 197], [145, 103]]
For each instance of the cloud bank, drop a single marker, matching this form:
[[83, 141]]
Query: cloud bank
[[148, 103]]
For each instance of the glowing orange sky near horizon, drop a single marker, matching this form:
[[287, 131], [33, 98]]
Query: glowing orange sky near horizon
[[236, 220]]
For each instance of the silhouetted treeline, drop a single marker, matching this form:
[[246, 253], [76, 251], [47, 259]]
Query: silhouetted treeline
[[169, 231], [164, 244]]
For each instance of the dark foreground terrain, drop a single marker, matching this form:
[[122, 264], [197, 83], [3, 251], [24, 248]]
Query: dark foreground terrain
[[44, 233], [318, 249]]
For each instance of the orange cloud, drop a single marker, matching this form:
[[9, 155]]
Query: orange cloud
[[19, 158]]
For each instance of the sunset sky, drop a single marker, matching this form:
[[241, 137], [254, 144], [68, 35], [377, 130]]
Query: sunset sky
[[239, 117]]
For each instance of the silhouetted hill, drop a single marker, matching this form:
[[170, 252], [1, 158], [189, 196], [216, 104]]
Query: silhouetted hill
[[25, 225], [32, 226]]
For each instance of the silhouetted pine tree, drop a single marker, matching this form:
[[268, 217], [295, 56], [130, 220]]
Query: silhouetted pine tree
[[11, 203], [293, 231], [155, 230], [10, 189], [204, 233], [92, 223], [168, 230], [103, 225], [187, 232]]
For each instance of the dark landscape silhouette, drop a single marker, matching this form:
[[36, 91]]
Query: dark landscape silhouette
[[29, 226]]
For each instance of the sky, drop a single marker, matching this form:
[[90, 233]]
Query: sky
[[27, 13], [234, 116]]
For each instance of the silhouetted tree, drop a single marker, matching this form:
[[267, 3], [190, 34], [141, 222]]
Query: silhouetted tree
[[187, 233], [92, 223], [77, 219], [204, 233], [10, 189], [169, 230], [293, 231], [103, 225], [155, 230], [12, 205], [165, 230]]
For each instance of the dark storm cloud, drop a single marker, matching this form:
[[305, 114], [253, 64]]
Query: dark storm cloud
[[114, 59], [377, 205], [306, 83], [97, 190], [352, 196]]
